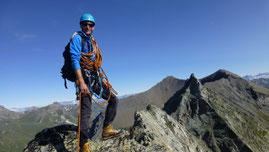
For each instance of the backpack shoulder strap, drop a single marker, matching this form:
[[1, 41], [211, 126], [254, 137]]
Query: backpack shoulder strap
[[74, 35], [83, 39]]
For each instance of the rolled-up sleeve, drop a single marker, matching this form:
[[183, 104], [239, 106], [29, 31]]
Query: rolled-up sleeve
[[75, 49]]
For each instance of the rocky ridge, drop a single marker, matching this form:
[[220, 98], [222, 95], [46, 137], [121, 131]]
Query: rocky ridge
[[191, 106], [243, 105], [153, 131], [16, 133], [157, 95], [227, 112]]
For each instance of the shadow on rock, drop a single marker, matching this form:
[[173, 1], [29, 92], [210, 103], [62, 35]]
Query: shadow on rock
[[53, 138]]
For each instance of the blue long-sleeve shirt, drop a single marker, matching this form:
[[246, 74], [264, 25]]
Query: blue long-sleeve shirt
[[75, 49]]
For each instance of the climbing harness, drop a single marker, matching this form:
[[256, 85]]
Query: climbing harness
[[91, 65]]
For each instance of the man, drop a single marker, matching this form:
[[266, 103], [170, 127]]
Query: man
[[87, 24]]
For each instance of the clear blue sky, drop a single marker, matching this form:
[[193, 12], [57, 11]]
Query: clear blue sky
[[142, 42]]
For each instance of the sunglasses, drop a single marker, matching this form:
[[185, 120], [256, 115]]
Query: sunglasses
[[86, 24]]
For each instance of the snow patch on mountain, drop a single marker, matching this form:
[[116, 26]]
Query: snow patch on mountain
[[258, 76], [21, 110], [68, 102]]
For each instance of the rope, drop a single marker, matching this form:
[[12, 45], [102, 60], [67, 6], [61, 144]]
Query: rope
[[100, 104], [79, 117], [87, 63], [95, 66]]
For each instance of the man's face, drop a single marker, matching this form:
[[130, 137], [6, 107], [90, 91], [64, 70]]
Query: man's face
[[87, 27]]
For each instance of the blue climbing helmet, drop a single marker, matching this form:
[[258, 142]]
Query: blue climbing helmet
[[87, 17]]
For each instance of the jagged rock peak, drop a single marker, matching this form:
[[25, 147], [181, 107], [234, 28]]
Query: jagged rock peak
[[219, 75], [193, 78], [193, 85]]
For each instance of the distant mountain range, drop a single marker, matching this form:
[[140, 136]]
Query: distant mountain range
[[261, 79], [22, 110], [7, 114], [19, 125], [17, 128]]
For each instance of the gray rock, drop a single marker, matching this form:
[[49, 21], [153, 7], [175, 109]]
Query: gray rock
[[223, 113], [95, 132], [154, 128], [153, 131], [190, 106]]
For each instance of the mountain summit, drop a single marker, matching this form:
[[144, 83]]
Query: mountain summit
[[192, 106]]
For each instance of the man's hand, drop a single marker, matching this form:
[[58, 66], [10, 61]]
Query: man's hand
[[82, 84], [84, 88]]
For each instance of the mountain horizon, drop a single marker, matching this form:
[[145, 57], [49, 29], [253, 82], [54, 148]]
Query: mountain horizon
[[253, 78]]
